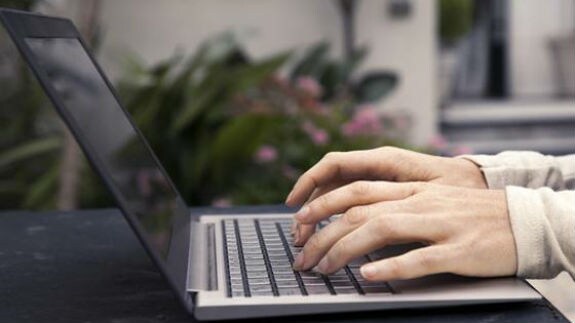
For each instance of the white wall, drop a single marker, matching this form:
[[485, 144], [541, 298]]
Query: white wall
[[408, 47], [154, 29], [532, 23]]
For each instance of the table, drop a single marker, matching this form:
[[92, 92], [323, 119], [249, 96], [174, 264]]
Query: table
[[87, 266]]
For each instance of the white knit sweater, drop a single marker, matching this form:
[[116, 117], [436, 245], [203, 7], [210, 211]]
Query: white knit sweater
[[541, 201]]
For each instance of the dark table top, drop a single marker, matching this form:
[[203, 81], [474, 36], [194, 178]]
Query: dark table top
[[88, 266]]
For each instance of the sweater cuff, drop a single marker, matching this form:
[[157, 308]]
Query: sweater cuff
[[521, 168], [541, 221], [496, 176]]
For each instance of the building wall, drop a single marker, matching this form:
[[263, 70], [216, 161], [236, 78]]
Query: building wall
[[154, 29], [532, 24]]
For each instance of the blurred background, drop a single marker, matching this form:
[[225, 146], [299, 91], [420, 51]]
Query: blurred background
[[238, 98]]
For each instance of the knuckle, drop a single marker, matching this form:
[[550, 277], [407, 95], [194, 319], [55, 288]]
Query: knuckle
[[360, 188], [322, 203], [341, 251], [395, 268], [384, 226], [415, 188], [356, 215], [387, 149], [332, 156], [314, 243], [427, 261]]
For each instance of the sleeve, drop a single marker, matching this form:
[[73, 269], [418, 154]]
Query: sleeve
[[543, 225], [542, 214], [526, 169]]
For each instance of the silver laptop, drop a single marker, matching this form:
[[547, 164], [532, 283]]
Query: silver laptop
[[221, 267]]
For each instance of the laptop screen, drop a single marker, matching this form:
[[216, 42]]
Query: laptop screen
[[105, 128]]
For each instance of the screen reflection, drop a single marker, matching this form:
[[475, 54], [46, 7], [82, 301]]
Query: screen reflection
[[105, 128]]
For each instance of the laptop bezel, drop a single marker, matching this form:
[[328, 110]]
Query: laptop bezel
[[21, 25]]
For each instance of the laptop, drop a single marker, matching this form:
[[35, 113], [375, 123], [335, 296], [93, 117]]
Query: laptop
[[224, 266]]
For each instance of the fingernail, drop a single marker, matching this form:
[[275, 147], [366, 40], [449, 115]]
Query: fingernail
[[302, 213], [296, 237], [288, 197], [368, 271], [323, 266], [298, 262]]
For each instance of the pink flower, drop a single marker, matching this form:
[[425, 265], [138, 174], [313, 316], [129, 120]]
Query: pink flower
[[289, 172], [309, 85], [318, 136], [266, 154], [221, 202], [365, 122], [438, 142]]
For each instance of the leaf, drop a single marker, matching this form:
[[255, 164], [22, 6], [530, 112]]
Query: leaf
[[237, 143], [347, 68], [181, 82], [199, 102], [29, 150], [163, 68], [374, 86], [146, 106], [249, 76], [220, 85], [313, 62]]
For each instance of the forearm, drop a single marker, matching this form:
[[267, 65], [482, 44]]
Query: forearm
[[526, 169], [543, 225]]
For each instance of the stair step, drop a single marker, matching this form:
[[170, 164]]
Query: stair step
[[553, 146], [508, 112]]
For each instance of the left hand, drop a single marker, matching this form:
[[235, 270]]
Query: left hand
[[467, 231]]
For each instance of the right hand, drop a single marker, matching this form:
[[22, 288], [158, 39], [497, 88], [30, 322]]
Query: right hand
[[388, 164]]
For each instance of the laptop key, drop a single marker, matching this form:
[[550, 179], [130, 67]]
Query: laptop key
[[289, 290], [317, 289], [337, 283], [345, 290], [262, 293]]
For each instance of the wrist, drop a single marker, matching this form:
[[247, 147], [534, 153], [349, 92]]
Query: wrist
[[470, 174]]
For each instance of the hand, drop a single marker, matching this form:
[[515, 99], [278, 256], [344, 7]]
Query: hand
[[467, 231], [386, 163]]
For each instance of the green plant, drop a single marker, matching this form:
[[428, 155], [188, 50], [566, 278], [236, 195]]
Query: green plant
[[213, 117], [225, 127], [30, 141], [335, 76]]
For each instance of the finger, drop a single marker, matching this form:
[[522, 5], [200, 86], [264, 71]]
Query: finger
[[378, 232], [354, 194], [304, 232], [413, 264], [336, 166], [355, 215], [293, 227], [320, 242]]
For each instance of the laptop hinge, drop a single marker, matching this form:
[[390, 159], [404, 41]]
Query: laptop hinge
[[202, 260]]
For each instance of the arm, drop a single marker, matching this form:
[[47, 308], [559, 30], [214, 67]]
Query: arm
[[543, 225], [543, 221], [526, 169]]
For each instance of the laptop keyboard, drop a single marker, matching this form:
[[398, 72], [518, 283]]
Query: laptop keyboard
[[260, 254]]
